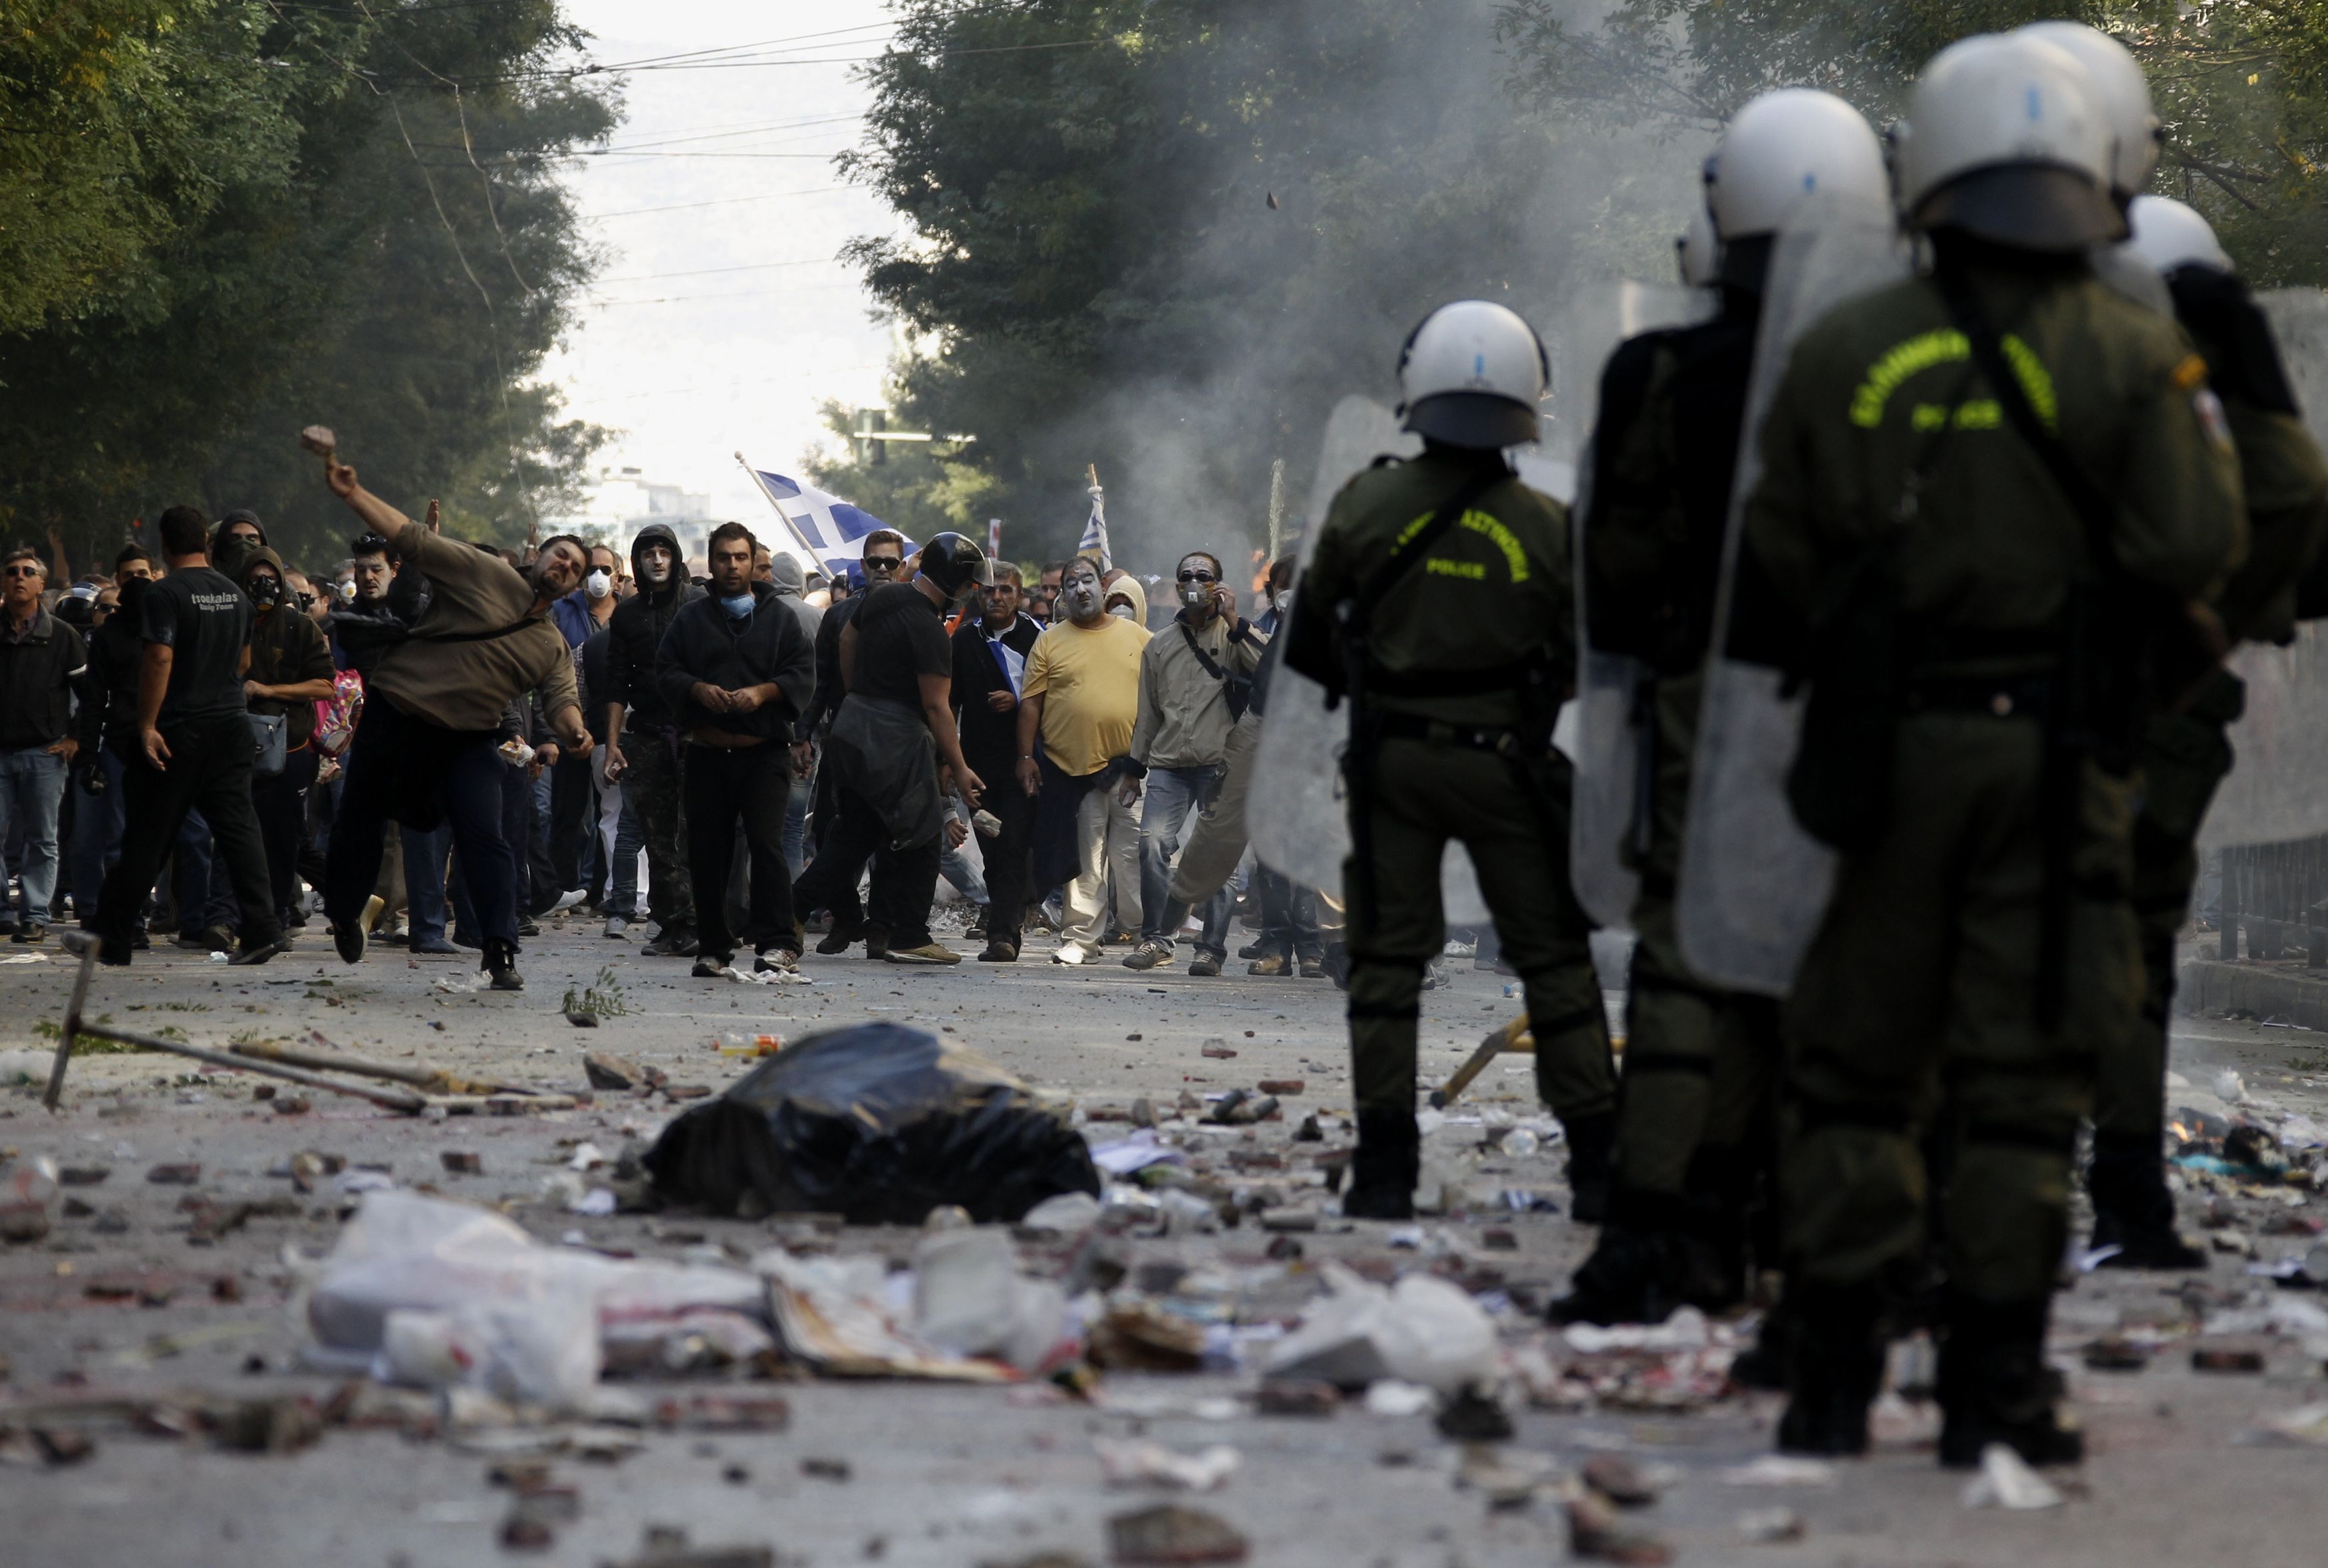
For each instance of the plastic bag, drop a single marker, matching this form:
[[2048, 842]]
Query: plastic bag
[[1420, 1330], [425, 1290], [970, 1298], [879, 1123]]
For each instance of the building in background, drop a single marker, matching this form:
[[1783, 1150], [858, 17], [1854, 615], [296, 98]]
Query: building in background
[[624, 500]]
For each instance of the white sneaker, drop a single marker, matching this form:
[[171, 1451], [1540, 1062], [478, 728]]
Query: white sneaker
[[616, 926], [567, 901], [1071, 953]]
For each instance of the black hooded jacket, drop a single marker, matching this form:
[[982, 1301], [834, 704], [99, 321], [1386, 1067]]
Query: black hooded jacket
[[636, 630], [768, 644]]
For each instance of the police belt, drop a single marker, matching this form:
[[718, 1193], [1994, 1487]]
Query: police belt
[[1503, 740]]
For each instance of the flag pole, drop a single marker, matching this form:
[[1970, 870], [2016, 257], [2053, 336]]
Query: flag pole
[[792, 528]]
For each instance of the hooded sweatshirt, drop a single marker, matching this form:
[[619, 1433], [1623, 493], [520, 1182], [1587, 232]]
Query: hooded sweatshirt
[[706, 643], [285, 648], [785, 575], [636, 633]]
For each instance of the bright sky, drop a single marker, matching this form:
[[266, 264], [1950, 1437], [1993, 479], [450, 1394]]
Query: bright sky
[[722, 315]]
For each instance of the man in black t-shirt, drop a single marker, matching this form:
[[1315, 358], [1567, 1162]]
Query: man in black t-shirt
[[990, 666], [194, 746], [893, 730]]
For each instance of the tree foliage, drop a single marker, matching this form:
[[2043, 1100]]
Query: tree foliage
[[223, 220], [2242, 85], [1165, 236]]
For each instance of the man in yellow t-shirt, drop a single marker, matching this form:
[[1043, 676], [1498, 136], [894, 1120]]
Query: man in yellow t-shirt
[[1080, 696]]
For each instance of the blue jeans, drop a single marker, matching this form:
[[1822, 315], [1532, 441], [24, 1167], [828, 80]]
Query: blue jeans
[[797, 806], [954, 866], [97, 836], [1173, 795], [424, 880], [32, 789]]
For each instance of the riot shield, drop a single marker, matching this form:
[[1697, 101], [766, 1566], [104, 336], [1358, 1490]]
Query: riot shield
[[1606, 746], [2277, 789], [1753, 885], [1296, 811]]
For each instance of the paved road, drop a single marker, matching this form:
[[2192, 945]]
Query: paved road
[[951, 1476]]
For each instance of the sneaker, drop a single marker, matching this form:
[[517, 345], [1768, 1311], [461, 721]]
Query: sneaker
[[566, 901], [261, 953], [1072, 954], [1000, 950], [1274, 963], [433, 945], [526, 927], [348, 936], [398, 934], [676, 942], [207, 939], [27, 934], [1147, 955], [1254, 950], [1205, 964], [776, 961], [709, 966], [877, 941], [840, 939], [1313, 969], [616, 926], [928, 952]]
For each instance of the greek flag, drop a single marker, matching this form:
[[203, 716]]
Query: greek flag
[[829, 529], [1094, 542]]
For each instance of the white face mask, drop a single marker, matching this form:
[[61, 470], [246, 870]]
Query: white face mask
[[598, 584]]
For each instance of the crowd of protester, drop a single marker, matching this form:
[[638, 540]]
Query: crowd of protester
[[713, 766]]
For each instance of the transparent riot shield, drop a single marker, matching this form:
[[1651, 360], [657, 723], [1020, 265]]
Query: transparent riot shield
[[2277, 789], [1606, 740], [1296, 812], [1753, 885]]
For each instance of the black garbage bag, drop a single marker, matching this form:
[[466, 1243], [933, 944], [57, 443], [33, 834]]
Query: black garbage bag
[[878, 1122]]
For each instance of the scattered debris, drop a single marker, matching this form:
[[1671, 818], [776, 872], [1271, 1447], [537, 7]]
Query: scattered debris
[[1131, 1463], [1594, 1533], [1472, 1416], [1296, 1396], [460, 1162], [1771, 1527], [825, 1470], [1169, 1534], [1421, 1330], [1619, 1480], [1217, 1049], [179, 1175]]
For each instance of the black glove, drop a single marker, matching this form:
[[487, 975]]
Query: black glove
[[92, 778]]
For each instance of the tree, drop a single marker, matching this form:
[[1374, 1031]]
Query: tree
[[2242, 85], [380, 243], [1165, 236]]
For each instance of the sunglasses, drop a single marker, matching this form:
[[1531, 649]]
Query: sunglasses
[[24, 571], [881, 563], [1198, 577]]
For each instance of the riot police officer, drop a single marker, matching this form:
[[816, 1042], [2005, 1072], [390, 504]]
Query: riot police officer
[[1439, 605], [1693, 1122], [1992, 492], [2183, 750]]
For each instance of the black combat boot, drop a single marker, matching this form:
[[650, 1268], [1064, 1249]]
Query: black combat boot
[[1995, 1388], [1834, 1366], [1384, 1171], [501, 962], [1592, 1140], [2133, 1210], [1645, 1265]]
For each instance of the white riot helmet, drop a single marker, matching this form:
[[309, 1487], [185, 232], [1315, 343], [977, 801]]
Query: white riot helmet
[[1698, 251], [2123, 94], [2005, 141], [1783, 148], [2170, 236], [1471, 375]]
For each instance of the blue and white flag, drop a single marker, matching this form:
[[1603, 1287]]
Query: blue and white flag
[[1094, 542], [830, 529], [1011, 662]]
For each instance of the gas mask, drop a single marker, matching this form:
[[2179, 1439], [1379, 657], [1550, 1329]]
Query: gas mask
[[265, 592], [599, 583], [1195, 595], [1122, 610]]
